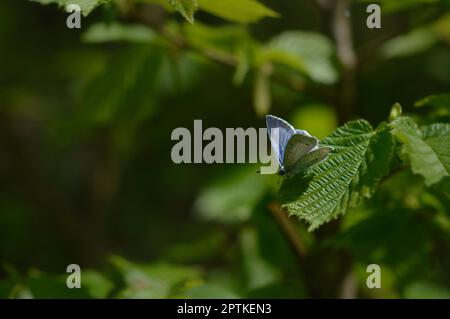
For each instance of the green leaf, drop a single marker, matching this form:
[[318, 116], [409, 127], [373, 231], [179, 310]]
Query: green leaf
[[224, 38], [187, 8], [437, 107], [396, 111], [378, 159], [416, 41], [244, 56], [427, 151], [440, 102], [157, 280], [231, 199], [86, 6], [259, 272], [391, 236], [262, 97], [361, 157], [435, 130], [426, 290], [243, 11], [97, 285], [102, 32], [306, 52], [124, 88]]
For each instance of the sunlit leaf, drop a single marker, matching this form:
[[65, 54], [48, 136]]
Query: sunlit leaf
[[102, 32], [407, 44], [187, 8], [361, 157], [86, 6], [429, 153], [307, 52], [244, 11]]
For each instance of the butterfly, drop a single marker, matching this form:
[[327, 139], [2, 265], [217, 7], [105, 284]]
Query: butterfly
[[295, 150]]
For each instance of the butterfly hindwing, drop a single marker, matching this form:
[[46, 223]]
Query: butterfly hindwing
[[295, 150], [310, 159], [298, 146], [280, 132]]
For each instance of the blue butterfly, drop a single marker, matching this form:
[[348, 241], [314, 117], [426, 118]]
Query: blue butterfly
[[295, 150]]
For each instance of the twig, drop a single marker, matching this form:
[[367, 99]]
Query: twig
[[342, 30], [289, 231], [293, 83], [349, 288]]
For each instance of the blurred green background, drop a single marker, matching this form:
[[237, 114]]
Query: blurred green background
[[87, 178]]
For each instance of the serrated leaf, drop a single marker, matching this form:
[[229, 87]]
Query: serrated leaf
[[86, 6], [186, 8], [378, 159], [428, 151], [360, 159], [435, 130], [243, 11]]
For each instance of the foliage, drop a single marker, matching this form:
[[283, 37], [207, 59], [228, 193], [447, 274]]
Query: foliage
[[87, 177], [86, 6], [360, 159]]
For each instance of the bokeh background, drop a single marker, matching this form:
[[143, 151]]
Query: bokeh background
[[86, 175]]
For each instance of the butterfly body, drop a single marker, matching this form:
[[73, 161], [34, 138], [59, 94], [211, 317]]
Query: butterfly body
[[294, 149]]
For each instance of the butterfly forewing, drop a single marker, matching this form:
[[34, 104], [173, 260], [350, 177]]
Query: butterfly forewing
[[280, 133], [297, 147]]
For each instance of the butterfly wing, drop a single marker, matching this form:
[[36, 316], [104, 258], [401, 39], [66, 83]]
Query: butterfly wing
[[310, 159], [302, 132], [280, 132], [298, 146]]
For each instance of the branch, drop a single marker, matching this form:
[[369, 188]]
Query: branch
[[293, 82], [227, 59], [289, 231], [290, 82], [342, 30]]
